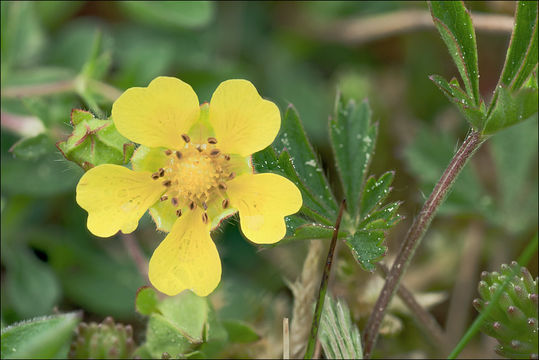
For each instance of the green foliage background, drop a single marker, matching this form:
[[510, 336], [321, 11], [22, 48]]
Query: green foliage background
[[50, 260]]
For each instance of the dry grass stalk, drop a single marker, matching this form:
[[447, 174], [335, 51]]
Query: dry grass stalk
[[305, 290]]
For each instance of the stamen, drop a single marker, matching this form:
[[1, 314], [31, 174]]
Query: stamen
[[161, 172], [205, 218], [227, 157], [222, 186], [178, 154], [204, 205], [215, 152], [174, 201], [164, 198], [168, 152], [199, 149], [232, 175], [225, 203], [212, 140], [167, 183], [155, 176], [192, 205], [186, 138], [179, 212]]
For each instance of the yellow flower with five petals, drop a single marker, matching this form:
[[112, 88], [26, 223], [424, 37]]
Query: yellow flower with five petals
[[192, 170]]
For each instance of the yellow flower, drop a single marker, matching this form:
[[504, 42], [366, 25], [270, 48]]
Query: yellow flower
[[192, 169]]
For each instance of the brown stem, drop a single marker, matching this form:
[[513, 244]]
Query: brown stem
[[135, 252], [365, 29], [428, 323], [415, 234], [21, 124]]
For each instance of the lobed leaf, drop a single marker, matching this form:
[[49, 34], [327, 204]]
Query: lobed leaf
[[375, 192], [454, 23], [353, 139], [366, 245], [240, 332], [146, 301]]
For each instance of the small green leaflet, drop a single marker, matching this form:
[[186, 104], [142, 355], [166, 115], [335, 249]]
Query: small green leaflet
[[455, 26], [353, 138]]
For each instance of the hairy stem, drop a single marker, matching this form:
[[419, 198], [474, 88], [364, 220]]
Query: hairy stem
[[323, 287], [429, 324], [415, 234]]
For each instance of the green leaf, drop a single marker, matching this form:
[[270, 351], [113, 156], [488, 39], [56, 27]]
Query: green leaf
[[367, 247], [28, 279], [339, 336], [474, 114], [94, 142], [100, 60], [40, 338], [240, 332], [146, 301], [292, 138], [521, 56], [455, 26], [182, 14], [187, 312], [267, 161], [162, 336], [32, 148], [353, 139], [511, 108]]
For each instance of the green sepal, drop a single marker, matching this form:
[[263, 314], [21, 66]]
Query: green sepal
[[95, 142]]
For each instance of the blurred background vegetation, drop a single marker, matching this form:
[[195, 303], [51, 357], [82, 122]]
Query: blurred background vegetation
[[60, 55]]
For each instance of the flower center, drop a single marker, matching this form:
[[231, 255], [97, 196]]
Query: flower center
[[195, 175]]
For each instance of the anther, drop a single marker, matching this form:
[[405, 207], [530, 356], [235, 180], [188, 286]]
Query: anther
[[199, 149], [227, 157], [205, 218], [192, 205], [204, 205], [179, 212], [164, 198], [174, 201], [232, 175], [215, 152], [155, 176], [225, 203], [222, 186], [168, 152], [161, 172], [186, 138], [167, 183], [178, 154], [212, 140]]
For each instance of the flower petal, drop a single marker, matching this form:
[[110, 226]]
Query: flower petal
[[157, 115], [186, 259], [243, 122], [263, 201], [116, 198]]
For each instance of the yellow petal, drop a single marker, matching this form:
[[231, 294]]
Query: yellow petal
[[243, 122], [116, 198], [187, 258], [157, 115], [263, 201]]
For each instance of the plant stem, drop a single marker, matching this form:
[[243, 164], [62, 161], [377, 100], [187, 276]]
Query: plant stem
[[524, 258], [413, 238], [430, 326], [323, 287], [133, 249]]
